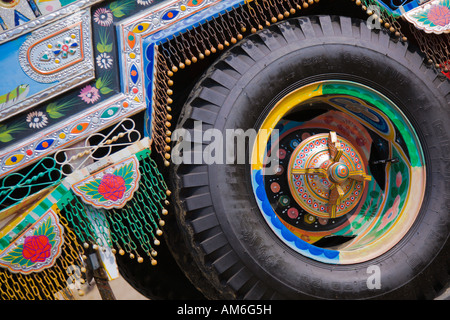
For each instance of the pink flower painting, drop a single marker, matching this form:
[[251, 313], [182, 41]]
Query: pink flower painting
[[89, 94]]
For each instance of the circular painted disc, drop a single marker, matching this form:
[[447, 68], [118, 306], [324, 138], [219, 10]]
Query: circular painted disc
[[311, 191]]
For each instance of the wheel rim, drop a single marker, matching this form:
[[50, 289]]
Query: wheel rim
[[303, 188]]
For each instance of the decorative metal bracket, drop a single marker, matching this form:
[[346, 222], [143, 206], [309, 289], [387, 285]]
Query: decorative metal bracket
[[335, 172]]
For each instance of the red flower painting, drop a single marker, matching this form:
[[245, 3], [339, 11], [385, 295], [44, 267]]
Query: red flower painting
[[36, 248], [439, 15], [112, 187]]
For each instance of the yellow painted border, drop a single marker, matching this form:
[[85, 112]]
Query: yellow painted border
[[282, 107]]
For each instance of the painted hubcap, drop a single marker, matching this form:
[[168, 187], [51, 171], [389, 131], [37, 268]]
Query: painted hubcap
[[334, 199], [326, 175]]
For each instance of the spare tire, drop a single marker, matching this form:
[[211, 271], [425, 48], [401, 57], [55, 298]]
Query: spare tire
[[259, 231]]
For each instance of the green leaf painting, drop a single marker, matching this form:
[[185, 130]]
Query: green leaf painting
[[126, 172], [103, 83], [56, 110], [122, 8], [6, 130], [103, 44]]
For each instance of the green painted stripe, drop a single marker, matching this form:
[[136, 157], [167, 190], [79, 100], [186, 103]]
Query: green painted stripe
[[387, 108], [34, 215]]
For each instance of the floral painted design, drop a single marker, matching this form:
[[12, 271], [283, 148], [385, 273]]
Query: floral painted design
[[103, 17], [37, 119], [59, 108], [398, 193], [432, 17], [104, 61], [391, 214], [104, 45], [7, 130], [112, 187], [36, 248], [89, 94], [398, 179], [439, 15], [103, 83], [66, 47]]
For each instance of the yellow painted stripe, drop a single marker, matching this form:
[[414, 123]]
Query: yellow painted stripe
[[282, 107]]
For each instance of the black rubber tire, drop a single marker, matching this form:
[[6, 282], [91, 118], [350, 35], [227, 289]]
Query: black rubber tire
[[226, 237]]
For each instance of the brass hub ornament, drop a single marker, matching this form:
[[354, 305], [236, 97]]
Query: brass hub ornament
[[327, 175]]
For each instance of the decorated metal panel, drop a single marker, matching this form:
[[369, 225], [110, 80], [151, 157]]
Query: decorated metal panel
[[45, 63]]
